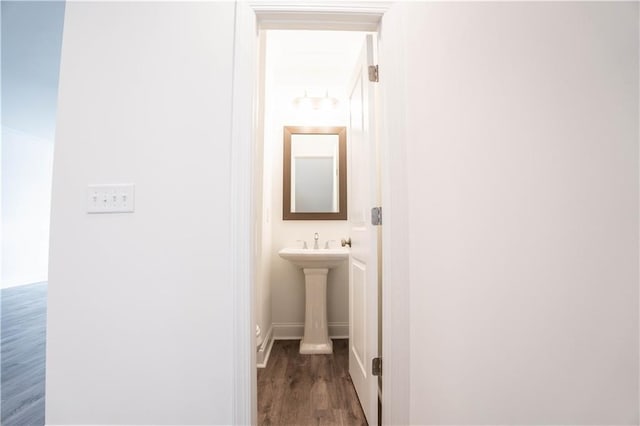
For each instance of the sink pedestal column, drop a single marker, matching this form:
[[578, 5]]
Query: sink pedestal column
[[316, 332]]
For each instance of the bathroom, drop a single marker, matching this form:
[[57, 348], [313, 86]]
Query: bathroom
[[305, 82]]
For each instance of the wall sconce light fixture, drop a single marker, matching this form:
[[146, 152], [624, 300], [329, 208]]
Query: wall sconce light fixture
[[316, 102]]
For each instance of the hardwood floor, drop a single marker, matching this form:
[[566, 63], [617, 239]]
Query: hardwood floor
[[301, 390], [23, 328]]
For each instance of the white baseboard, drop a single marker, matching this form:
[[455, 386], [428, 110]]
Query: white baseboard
[[295, 330], [264, 350]]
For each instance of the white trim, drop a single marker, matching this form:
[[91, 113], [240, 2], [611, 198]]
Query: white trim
[[638, 17], [320, 15], [295, 330], [395, 235], [266, 7], [264, 350], [244, 397]]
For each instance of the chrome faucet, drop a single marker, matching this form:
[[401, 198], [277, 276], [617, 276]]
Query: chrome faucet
[[315, 243], [304, 244]]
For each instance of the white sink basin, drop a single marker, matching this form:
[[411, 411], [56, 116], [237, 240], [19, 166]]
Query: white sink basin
[[310, 258]]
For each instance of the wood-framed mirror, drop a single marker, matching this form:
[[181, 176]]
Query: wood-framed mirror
[[314, 173]]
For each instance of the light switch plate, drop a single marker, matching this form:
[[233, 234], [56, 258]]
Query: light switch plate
[[118, 198]]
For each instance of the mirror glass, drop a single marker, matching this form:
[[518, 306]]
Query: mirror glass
[[314, 173]]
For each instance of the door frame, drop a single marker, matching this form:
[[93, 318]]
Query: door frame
[[250, 17]]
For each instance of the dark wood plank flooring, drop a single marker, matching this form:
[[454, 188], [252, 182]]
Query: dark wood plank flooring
[[301, 390], [22, 352]]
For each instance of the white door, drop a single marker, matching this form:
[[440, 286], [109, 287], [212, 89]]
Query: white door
[[363, 262]]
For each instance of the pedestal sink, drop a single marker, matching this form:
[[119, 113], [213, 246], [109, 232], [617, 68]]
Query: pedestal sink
[[316, 264]]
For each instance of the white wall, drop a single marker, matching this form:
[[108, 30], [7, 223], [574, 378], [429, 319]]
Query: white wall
[[522, 167], [139, 312], [31, 39], [287, 280], [262, 199], [26, 197]]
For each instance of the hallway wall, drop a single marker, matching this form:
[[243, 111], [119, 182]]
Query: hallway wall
[[522, 166], [140, 304], [31, 40], [27, 163]]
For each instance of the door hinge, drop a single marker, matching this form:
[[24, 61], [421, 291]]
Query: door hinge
[[376, 366], [373, 73], [376, 216]]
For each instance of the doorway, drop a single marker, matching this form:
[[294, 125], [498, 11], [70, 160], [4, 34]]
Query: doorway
[[351, 16], [313, 79]]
